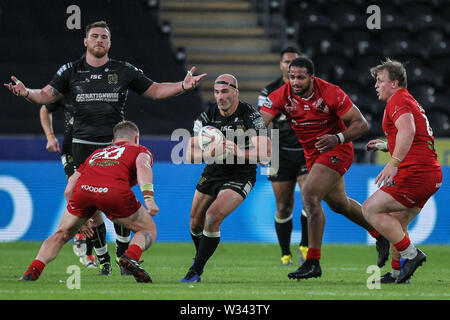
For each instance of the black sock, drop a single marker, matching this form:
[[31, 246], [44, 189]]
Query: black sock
[[99, 241], [284, 230], [304, 221], [122, 239], [206, 249], [196, 239], [89, 246]]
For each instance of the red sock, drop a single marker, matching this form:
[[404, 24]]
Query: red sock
[[313, 254], [374, 233], [134, 252], [395, 264], [402, 244], [36, 268]]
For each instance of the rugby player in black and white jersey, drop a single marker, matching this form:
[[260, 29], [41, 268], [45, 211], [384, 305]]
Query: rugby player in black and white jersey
[[224, 184], [98, 88], [291, 170]]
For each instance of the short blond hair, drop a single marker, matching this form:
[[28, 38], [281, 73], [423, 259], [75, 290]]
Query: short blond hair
[[395, 69], [125, 129]]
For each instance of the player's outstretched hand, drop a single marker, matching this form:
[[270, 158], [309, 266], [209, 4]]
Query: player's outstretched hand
[[18, 88], [191, 81], [152, 208]]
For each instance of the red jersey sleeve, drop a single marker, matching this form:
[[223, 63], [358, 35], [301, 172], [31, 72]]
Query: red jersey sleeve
[[397, 107], [275, 101], [341, 100]]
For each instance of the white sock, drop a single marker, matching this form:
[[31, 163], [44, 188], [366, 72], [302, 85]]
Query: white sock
[[395, 273], [410, 252]]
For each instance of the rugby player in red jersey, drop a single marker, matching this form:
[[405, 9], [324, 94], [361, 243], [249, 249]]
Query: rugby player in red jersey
[[103, 182], [316, 111], [412, 175]]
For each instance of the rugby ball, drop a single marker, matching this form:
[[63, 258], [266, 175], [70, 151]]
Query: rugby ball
[[205, 137]]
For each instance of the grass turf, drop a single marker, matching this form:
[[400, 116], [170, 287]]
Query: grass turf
[[237, 271]]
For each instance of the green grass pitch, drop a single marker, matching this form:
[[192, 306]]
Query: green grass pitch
[[237, 271]]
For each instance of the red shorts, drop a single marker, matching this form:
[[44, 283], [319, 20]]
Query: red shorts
[[339, 159], [113, 202], [413, 186]]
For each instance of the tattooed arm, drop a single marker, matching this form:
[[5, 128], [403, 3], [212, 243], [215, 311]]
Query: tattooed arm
[[46, 95]]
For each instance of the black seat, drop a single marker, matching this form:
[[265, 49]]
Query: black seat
[[439, 122], [418, 75], [422, 91]]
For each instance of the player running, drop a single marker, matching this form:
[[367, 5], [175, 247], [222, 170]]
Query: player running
[[316, 110], [103, 182]]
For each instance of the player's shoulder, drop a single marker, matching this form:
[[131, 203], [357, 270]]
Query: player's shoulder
[[274, 85], [69, 66], [250, 113], [325, 85], [247, 108], [124, 65]]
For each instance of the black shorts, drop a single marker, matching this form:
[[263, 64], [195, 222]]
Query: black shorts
[[292, 164], [212, 186], [82, 151]]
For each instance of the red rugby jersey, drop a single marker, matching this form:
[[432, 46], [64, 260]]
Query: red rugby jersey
[[113, 166], [312, 117], [422, 149]]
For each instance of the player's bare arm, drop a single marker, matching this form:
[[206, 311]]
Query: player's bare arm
[[195, 155], [403, 141], [170, 89], [47, 125], [46, 95], [71, 185], [267, 117], [357, 126], [261, 151], [144, 175]]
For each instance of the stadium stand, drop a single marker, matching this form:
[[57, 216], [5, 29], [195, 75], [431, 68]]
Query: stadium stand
[[35, 42], [405, 26], [242, 36]]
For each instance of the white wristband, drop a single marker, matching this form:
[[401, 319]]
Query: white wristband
[[341, 137]]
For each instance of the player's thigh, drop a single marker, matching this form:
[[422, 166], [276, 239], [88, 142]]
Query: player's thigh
[[301, 180], [320, 181], [200, 204], [138, 221], [226, 202], [70, 224], [383, 202], [337, 198]]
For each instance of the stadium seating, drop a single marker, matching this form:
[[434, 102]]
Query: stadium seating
[[406, 25], [38, 43]]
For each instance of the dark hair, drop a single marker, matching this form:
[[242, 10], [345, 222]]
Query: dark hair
[[125, 128], [303, 62], [290, 50], [98, 24], [395, 69]]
